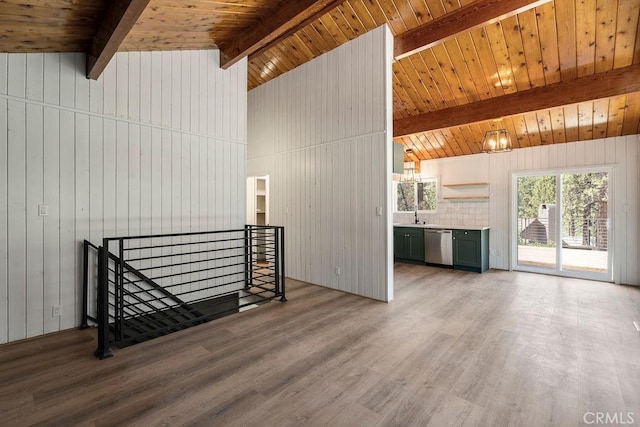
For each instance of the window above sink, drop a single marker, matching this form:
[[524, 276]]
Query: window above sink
[[417, 195]]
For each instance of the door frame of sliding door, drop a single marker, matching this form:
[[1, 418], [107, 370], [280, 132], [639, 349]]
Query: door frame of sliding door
[[609, 276]]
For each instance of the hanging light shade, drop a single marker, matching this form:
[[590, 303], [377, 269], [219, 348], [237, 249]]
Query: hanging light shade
[[496, 141], [409, 175]]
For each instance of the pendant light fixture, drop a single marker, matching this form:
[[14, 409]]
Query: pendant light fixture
[[410, 174], [496, 141]]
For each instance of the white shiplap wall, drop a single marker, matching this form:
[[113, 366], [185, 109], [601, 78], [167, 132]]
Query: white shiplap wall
[[156, 145], [322, 133], [620, 152]]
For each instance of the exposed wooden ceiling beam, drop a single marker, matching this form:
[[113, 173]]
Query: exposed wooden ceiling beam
[[468, 17], [289, 18], [616, 82], [119, 18]]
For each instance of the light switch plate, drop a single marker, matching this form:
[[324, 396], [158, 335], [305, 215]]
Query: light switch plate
[[379, 211], [43, 210]]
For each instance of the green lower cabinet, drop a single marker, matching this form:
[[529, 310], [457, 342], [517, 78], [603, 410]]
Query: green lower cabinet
[[471, 250], [408, 244]]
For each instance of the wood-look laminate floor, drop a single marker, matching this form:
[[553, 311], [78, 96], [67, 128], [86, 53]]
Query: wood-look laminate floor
[[454, 348]]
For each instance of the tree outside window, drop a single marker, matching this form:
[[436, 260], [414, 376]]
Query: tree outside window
[[425, 193]]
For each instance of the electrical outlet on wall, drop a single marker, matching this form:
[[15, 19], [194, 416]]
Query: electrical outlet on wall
[[337, 271], [56, 311]]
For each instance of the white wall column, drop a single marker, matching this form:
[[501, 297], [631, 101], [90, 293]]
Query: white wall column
[[322, 132]]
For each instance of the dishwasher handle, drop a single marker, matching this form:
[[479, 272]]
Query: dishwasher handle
[[437, 231]]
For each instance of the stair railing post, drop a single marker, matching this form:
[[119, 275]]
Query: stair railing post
[[283, 297], [250, 246], [120, 291], [85, 287], [276, 251], [103, 351], [246, 256]]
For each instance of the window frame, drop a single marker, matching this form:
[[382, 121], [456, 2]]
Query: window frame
[[415, 194]]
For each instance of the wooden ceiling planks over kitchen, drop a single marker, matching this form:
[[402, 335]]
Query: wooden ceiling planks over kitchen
[[544, 43]]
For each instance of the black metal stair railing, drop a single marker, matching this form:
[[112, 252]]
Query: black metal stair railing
[[148, 286]]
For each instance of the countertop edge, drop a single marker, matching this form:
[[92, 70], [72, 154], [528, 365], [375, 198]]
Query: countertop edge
[[444, 227]]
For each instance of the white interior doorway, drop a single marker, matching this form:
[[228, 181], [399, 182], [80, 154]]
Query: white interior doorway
[[561, 222], [258, 200]]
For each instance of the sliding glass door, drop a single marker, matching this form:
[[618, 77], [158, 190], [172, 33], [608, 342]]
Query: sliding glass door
[[585, 222], [536, 222], [561, 223]]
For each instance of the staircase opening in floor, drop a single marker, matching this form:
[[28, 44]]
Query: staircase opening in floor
[[142, 287]]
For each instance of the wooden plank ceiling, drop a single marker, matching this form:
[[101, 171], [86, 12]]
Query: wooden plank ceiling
[[48, 26], [555, 42]]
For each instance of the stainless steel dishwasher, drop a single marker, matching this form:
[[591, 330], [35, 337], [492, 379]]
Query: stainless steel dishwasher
[[438, 246]]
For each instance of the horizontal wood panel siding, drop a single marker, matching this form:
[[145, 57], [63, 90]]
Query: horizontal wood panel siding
[[620, 152], [322, 133], [156, 145]]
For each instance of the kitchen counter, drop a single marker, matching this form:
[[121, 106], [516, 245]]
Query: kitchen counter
[[445, 227], [468, 245]]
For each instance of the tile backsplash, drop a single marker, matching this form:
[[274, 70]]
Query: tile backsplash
[[450, 213]]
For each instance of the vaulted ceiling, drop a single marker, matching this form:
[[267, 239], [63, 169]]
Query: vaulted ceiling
[[550, 71]]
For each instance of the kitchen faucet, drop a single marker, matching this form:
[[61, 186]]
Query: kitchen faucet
[[416, 214]]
